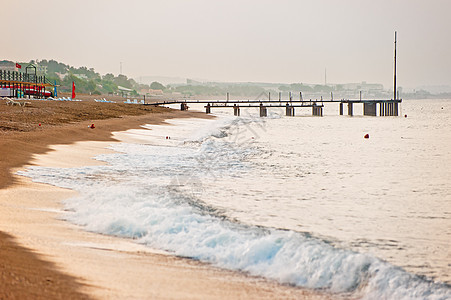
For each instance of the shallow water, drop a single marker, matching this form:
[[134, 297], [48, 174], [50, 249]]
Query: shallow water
[[304, 200]]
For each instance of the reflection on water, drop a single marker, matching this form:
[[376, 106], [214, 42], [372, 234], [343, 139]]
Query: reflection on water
[[198, 189], [389, 195]]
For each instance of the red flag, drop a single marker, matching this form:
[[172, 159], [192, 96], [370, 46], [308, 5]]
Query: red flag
[[73, 89], [18, 66]]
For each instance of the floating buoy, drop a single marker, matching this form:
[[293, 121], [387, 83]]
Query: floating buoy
[[92, 126], [39, 124], [405, 116], [367, 136]]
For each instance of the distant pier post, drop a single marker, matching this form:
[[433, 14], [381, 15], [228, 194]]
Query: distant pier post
[[396, 113], [227, 97], [236, 110], [317, 110], [263, 111], [280, 96], [208, 109], [341, 108], [350, 111], [289, 110]]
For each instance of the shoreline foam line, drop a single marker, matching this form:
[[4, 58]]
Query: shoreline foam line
[[111, 267], [334, 265]]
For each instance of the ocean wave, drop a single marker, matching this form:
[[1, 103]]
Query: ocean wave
[[146, 193]]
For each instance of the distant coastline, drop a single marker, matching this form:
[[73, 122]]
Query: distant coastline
[[88, 81]]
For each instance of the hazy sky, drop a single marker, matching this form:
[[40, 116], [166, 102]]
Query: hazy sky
[[272, 41]]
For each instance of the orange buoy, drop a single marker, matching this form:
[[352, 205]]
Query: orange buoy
[[367, 136], [92, 126], [39, 124]]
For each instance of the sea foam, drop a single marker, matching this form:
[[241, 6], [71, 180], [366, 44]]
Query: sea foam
[[147, 192]]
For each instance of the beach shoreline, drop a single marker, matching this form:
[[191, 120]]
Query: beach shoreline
[[99, 266]]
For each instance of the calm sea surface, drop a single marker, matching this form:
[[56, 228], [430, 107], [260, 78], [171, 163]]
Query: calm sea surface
[[303, 200]]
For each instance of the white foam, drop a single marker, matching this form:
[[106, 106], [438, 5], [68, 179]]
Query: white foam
[[145, 193]]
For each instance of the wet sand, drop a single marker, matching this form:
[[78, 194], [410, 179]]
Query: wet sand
[[43, 256]]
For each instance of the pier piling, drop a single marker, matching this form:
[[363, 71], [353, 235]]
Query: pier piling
[[289, 110], [263, 111], [369, 109], [350, 111], [317, 110], [236, 110]]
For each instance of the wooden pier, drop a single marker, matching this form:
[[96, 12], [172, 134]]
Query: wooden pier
[[370, 107]]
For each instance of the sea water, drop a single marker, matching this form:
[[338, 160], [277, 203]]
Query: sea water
[[306, 201]]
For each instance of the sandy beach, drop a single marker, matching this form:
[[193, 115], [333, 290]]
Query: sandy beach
[[43, 256]]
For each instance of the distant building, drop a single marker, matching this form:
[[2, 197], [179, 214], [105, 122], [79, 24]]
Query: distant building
[[60, 75], [363, 86], [41, 70], [81, 76], [124, 91], [151, 92]]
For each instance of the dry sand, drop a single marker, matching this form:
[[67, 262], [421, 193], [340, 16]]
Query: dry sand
[[45, 257]]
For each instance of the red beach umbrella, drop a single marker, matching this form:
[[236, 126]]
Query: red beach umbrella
[[73, 89]]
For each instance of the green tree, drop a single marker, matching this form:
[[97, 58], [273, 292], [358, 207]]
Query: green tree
[[123, 81], [157, 86], [91, 86], [108, 77]]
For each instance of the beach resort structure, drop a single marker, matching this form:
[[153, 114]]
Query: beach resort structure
[[18, 84]]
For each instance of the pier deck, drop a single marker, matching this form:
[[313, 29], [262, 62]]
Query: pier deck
[[386, 107]]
